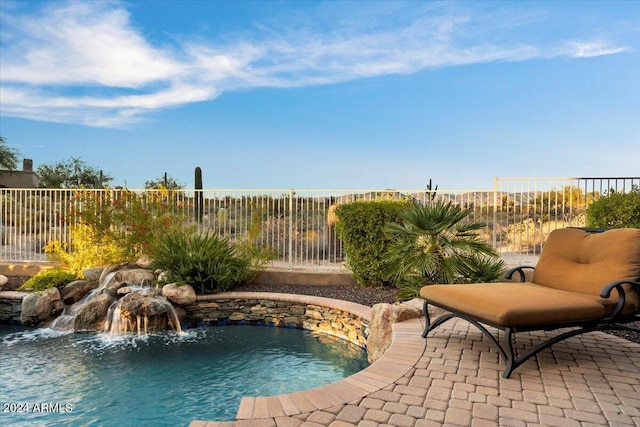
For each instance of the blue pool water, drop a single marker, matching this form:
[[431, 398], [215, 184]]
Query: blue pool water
[[51, 379]]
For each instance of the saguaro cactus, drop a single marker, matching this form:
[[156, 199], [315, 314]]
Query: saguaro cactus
[[198, 196]]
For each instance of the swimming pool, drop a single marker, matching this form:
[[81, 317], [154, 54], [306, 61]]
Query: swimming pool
[[163, 379]]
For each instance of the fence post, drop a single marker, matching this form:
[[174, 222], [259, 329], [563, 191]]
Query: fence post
[[495, 212], [291, 192]]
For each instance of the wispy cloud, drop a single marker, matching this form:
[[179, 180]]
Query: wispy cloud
[[589, 49], [87, 63]]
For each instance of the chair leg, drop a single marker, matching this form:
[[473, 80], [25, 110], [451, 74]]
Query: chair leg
[[427, 319], [510, 359], [432, 325]]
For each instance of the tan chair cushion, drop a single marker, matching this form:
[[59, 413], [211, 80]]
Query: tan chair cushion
[[577, 261], [573, 268], [516, 304]]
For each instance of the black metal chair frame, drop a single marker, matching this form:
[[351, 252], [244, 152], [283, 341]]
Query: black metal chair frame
[[616, 321]]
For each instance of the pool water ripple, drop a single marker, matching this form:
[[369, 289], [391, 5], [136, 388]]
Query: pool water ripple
[[165, 379]]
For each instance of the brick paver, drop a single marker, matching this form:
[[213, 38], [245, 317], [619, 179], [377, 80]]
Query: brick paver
[[592, 379]]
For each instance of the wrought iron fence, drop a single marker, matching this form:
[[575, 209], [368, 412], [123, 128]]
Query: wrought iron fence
[[299, 225]]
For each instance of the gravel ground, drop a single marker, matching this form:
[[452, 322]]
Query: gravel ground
[[14, 282], [358, 294]]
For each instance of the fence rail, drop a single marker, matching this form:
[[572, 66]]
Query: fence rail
[[299, 225]]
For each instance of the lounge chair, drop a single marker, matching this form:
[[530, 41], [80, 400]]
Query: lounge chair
[[585, 279]]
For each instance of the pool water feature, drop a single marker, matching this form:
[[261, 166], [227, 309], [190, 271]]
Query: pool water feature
[[160, 379]]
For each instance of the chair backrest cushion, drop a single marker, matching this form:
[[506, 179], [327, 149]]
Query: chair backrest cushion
[[576, 260]]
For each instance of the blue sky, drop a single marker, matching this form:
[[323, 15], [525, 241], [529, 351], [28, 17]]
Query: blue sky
[[324, 95]]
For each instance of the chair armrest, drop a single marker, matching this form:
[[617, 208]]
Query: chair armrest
[[617, 285], [520, 270]]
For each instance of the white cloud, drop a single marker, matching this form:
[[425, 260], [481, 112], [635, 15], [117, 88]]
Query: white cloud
[[586, 49], [84, 43], [86, 62]]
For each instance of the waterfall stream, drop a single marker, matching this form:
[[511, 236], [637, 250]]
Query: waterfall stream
[[140, 311], [64, 322]]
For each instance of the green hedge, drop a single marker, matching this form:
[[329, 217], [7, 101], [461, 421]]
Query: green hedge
[[617, 210], [361, 226]]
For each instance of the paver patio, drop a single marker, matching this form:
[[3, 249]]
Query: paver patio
[[454, 379]]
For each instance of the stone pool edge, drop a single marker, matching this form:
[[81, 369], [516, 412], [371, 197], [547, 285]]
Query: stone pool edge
[[342, 319], [403, 354]]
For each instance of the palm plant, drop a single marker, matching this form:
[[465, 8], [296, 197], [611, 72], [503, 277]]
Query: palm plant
[[8, 156], [435, 243]]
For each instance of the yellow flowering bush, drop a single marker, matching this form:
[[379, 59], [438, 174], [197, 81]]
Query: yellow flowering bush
[[87, 250]]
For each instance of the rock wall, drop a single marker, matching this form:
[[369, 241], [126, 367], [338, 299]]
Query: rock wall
[[246, 311], [317, 318], [367, 328], [11, 307]]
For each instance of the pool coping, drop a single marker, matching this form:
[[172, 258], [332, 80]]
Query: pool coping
[[402, 355]]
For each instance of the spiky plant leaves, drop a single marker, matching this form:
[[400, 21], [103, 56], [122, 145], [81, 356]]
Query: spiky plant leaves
[[202, 259], [434, 243]]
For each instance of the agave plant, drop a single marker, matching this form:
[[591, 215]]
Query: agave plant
[[202, 259], [436, 243]]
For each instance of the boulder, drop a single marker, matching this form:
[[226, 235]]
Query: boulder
[[110, 271], [382, 317], [136, 276], [179, 294], [3, 281], [144, 304], [117, 279], [124, 290], [144, 262], [75, 291], [40, 306], [143, 310], [93, 313], [181, 313], [114, 286], [93, 274]]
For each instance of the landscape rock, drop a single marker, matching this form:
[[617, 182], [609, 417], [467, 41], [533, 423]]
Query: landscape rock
[[136, 276], [144, 310], [93, 274], [144, 262], [181, 313], [3, 281], [40, 306], [417, 303], [179, 294], [110, 271], [126, 277], [93, 313], [124, 290], [75, 291], [143, 304], [382, 317]]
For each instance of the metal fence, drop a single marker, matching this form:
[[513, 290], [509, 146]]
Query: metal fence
[[299, 225]]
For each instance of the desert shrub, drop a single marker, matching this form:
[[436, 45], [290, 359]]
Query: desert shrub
[[616, 210], [202, 259], [361, 226], [47, 279], [88, 249], [110, 227], [250, 246], [134, 222], [436, 243]]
